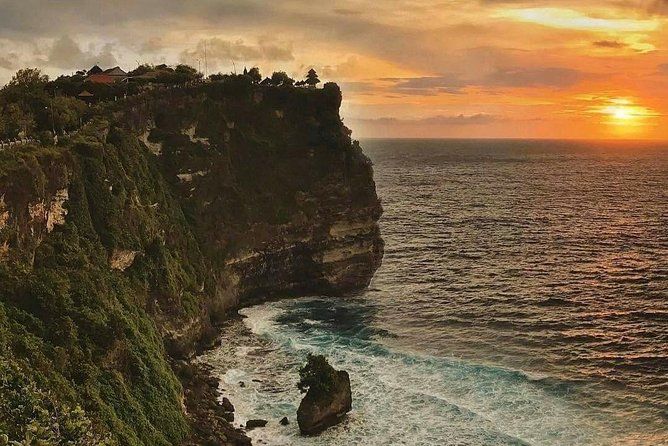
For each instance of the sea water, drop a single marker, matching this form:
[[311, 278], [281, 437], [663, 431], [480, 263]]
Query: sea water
[[522, 300]]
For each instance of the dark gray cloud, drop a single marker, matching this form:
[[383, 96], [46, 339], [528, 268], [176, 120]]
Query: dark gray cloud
[[358, 87], [502, 2], [437, 121], [609, 44], [534, 77], [149, 30], [657, 6], [347, 11], [66, 54], [219, 50], [143, 27], [153, 44], [430, 85], [8, 61], [37, 17], [553, 77]]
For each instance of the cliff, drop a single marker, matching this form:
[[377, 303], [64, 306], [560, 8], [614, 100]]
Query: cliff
[[122, 248]]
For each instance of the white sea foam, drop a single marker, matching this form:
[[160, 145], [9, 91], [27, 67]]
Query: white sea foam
[[399, 398]]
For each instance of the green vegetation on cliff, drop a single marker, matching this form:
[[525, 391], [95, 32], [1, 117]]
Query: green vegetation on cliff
[[74, 329], [123, 246]]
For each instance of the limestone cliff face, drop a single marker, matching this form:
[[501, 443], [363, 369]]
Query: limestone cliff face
[[280, 198], [127, 244]]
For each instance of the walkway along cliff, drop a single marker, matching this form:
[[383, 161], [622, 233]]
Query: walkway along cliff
[[125, 246]]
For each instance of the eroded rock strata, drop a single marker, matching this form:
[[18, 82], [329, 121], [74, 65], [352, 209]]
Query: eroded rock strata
[[124, 247]]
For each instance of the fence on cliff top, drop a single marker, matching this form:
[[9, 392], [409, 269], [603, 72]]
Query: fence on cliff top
[[9, 143], [6, 144]]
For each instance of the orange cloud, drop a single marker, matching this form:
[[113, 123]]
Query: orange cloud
[[539, 71]]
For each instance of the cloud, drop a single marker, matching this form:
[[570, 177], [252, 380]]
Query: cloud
[[8, 62], [153, 45], [434, 126], [153, 29], [37, 17], [535, 77], [552, 77], [574, 19], [441, 121], [66, 54], [428, 85], [657, 6], [219, 50], [349, 68], [347, 11], [358, 87], [609, 44], [662, 69]]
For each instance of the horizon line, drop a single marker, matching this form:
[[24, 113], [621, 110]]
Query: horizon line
[[512, 138]]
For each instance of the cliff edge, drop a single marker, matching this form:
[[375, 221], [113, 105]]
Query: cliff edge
[[122, 248]]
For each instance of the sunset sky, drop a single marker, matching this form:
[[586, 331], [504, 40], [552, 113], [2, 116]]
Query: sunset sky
[[408, 68]]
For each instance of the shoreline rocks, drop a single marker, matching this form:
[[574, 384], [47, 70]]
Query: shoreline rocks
[[252, 424], [211, 419]]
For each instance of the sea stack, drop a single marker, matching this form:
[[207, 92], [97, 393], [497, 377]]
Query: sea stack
[[327, 399]]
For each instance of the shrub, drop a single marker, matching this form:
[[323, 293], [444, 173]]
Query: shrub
[[317, 375], [31, 416]]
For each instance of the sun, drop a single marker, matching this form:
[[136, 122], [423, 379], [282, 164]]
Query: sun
[[625, 115], [622, 113]]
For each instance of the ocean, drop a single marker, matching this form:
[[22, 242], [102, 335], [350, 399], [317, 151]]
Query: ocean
[[522, 300]]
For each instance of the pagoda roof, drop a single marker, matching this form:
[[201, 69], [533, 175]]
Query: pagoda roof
[[94, 70], [116, 71], [102, 79]]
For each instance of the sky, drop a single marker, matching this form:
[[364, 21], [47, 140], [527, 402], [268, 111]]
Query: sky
[[407, 68]]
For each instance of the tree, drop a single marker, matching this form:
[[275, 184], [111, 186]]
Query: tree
[[179, 75], [317, 375], [281, 79], [254, 74], [217, 77], [66, 112], [67, 85], [187, 73], [312, 78], [26, 84], [18, 121], [26, 101], [141, 69]]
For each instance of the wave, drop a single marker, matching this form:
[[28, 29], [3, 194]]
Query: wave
[[454, 400]]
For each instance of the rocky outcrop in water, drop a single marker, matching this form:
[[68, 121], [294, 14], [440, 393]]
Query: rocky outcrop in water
[[328, 398]]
